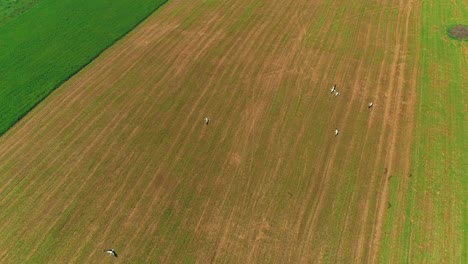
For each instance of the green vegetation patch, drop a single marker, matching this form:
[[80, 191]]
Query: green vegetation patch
[[52, 41]]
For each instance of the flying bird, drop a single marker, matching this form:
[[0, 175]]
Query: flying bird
[[111, 252]]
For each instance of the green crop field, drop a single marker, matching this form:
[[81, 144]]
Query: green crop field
[[46, 45], [431, 225]]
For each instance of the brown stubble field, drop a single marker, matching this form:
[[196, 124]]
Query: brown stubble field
[[119, 156]]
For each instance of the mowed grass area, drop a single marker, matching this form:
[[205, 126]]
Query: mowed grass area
[[42, 48], [120, 157], [431, 224], [10, 9]]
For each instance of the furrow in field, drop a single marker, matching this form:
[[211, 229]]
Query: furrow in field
[[370, 92], [325, 62], [346, 92], [402, 124], [393, 127]]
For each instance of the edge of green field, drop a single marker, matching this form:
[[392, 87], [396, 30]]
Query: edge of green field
[[435, 213], [44, 47]]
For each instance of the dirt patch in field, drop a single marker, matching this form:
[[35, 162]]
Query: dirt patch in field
[[459, 32]]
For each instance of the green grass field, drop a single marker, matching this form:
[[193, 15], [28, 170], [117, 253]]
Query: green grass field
[[434, 212], [45, 46]]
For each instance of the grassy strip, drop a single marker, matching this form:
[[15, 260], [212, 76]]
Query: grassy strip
[[435, 213], [437, 191], [47, 45]]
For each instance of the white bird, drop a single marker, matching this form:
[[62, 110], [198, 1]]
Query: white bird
[[336, 132], [111, 252], [333, 88], [370, 104], [337, 93], [207, 120]]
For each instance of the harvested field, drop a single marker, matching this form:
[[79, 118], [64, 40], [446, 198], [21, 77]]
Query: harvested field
[[120, 157]]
